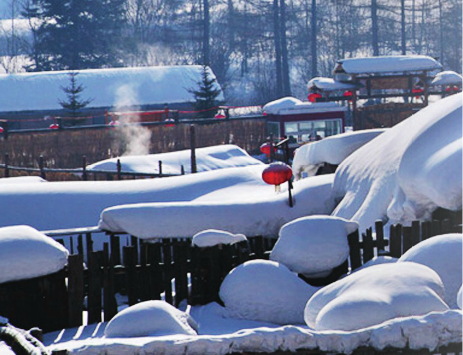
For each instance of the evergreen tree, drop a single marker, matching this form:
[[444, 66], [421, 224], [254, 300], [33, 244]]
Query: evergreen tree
[[73, 104], [206, 95], [76, 34]]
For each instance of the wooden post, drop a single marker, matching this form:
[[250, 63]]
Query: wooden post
[[166, 252], [41, 167], [193, 148], [395, 241], [7, 170], [110, 304], [131, 283], [368, 252], [415, 232], [119, 169], [182, 169], [84, 168], [75, 289], [379, 237], [181, 279], [94, 288], [155, 273], [115, 245], [160, 168], [89, 242], [272, 151], [354, 247], [407, 241], [80, 245]]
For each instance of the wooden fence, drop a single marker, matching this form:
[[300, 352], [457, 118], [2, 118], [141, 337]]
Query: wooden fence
[[169, 269]]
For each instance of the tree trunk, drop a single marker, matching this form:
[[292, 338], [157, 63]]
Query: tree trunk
[[404, 39], [284, 50], [374, 29], [206, 34], [276, 32], [314, 39]]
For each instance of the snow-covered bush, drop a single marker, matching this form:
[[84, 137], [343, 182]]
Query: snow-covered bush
[[313, 245], [265, 291], [374, 295], [27, 253], [443, 254], [150, 318], [212, 237]]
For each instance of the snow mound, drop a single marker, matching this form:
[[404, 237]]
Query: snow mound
[[266, 291], [26, 253], [377, 260], [443, 254], [274, 107], [213, 237], [208, 158], [447, 77], [314, 245], [150, 318], [374, 295], [332, 150], [406, 172]]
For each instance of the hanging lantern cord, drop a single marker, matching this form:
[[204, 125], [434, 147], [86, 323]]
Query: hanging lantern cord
[[290, 187]]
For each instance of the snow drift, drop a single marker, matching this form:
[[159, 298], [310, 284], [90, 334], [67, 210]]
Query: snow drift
[[406, 172], [26, 253], [314, 245], [374, 295], [266, 291], [443, 254]]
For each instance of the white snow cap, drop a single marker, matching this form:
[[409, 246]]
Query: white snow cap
[[443, 254], [314, 245], [447, 78], [406, 172], [26, 253], [332, 150], [208, 158], [329, 84], [110, 87], [22, 180], [274, 107], [389, 64], [266, 291], [150, 318], [213, 237], [374, 295]]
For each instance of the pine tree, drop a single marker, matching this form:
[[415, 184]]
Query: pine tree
[[73, 104], [206, 95]]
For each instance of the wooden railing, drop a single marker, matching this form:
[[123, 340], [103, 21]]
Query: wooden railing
[[170, 269]]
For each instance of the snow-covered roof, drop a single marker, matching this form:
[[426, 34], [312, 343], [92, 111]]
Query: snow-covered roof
[[329, 84], [387, 64], [291, 106], [113, 87], [447, 78]]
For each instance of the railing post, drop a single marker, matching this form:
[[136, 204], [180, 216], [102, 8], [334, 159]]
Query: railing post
[[84, 168], [160, 168], [119, 169], [193, 148], [75, 289], [41, 167], [6, 170]]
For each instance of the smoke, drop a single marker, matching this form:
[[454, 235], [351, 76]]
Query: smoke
[[135, 138]]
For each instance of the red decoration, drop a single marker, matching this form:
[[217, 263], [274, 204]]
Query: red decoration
[[1, 130], [456, 88], [418, 91], [277, 173], [170, 122], [265, 149], [54, 126], [314, 96], [347, 93], [219, 115]]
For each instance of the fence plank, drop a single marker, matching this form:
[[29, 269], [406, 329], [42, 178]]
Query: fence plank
[[380, 243], [354, 247], [115, 244], [436, 227], [181, 279], [110, 304], [416, 236], [368, 252], [155, 273], [167, 269], [130, 267], [75, 289], [94, 287], [395, 241], [407, 242]]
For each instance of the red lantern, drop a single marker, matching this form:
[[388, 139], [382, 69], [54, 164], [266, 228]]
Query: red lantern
[[277, 173], [219, 115], [1, 130], [54, 126], [313, 97], [265, 149], [170, 122], [417, 91], [456, 88]]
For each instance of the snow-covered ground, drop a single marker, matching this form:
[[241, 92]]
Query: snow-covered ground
[[404, 172]]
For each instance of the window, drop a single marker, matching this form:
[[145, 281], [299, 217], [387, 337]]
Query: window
[[306, 131]]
